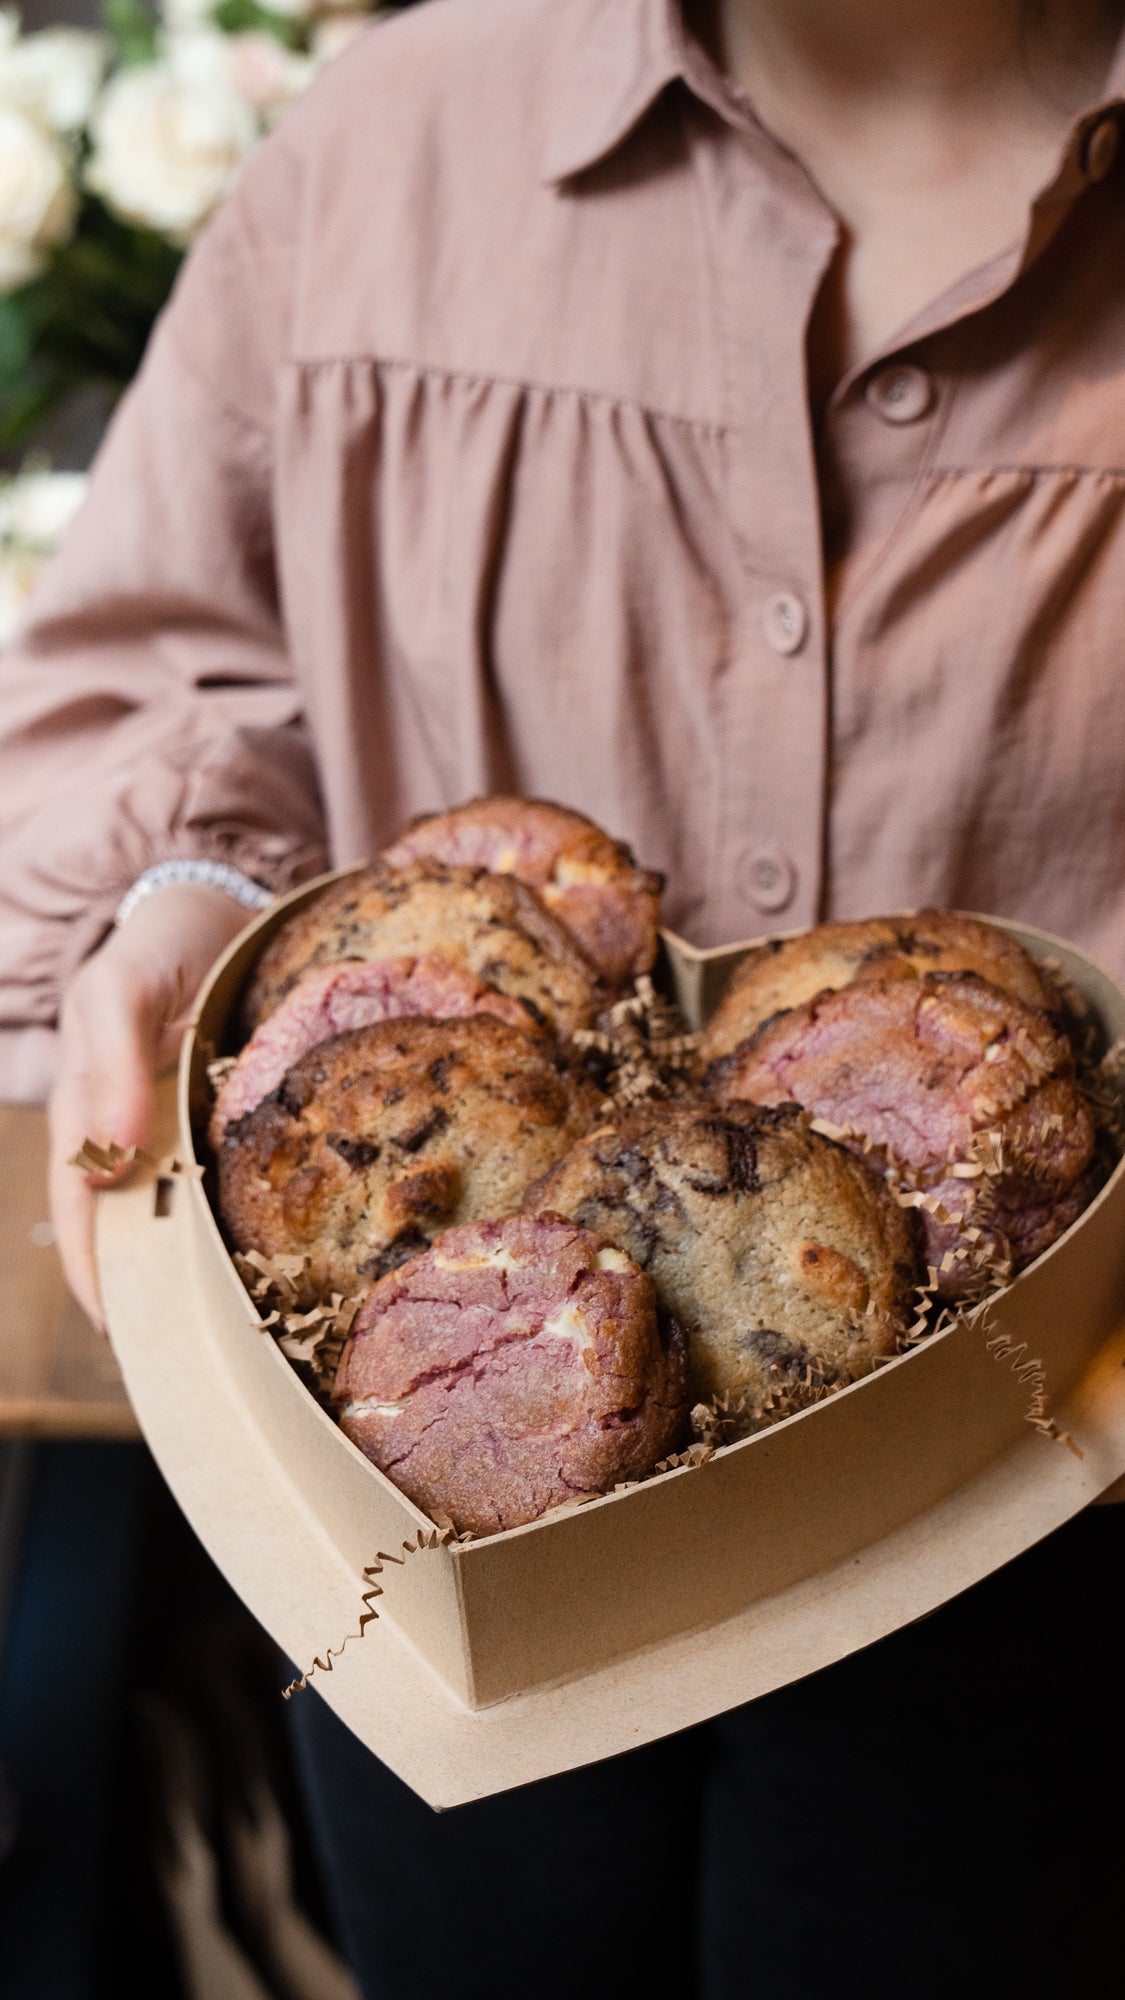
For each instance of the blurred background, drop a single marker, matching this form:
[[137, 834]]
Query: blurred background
[[150, 1834], [123, 125]]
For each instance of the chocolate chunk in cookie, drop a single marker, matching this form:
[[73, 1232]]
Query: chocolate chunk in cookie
[[492, 926], [789, 1265], [377, 1140], [333, 999]]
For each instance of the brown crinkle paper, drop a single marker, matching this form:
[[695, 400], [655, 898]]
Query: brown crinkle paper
[[96, 1157], [426, 1538], [310, 1330], [218, 1070], [642, 1049]]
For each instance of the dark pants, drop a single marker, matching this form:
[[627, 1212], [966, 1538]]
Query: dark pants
[[941, 1814]]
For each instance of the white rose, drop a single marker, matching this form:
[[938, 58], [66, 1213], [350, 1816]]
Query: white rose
[[19, 574], [263, 73], [177, 14], [198, 57], [167, 147], [267, 75], [53, 76], [333, 35], [38, 202], [37, 508]]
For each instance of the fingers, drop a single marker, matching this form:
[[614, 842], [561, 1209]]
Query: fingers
[[105, 1091], [73, 1118], [122, 1016]]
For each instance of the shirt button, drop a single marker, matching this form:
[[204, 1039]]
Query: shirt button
[[900, 395], [768, 878], [785, 622], [1100, 149]]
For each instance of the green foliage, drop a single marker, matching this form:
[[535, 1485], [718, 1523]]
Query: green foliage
[[235, 17], [133, 28], [86, 320]]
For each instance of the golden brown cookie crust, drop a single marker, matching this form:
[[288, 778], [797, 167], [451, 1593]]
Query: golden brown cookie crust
[[332, 999], [491, 925], [791, 971], [378, 1140], [589, 880], [790, 1267]]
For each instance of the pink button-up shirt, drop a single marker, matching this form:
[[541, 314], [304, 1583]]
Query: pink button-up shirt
[[475, 452]]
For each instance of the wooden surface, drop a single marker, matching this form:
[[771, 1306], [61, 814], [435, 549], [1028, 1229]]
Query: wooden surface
[[58, 1377]]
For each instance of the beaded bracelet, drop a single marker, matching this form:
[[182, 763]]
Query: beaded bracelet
[[200, 874]]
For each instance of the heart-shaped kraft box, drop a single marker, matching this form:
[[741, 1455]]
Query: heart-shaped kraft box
[[498, 1661]]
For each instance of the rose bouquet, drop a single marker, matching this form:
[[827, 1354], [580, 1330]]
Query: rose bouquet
[[115, 147]]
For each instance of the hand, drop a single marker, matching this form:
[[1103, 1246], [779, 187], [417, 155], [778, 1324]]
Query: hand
[[122, 1020]]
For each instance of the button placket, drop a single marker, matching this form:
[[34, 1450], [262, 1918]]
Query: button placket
[[771, 753]]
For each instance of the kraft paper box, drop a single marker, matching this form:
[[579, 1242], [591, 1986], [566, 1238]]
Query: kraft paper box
[[494, 1662]]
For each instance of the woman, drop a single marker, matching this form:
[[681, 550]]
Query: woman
[[712, 418]]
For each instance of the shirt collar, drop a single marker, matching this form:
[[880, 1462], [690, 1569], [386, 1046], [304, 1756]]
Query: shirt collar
[[624, 53], [621, 55]]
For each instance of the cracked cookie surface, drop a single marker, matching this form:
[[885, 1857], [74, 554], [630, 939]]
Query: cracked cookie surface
[[589, 880], [377, 1140], [788, 1264], [513, 1366], [333, 999], [491, 926], [788, 972], [919, 1074]]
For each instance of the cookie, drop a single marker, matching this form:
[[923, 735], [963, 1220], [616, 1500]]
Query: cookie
[[377, 1140], [787, 972], [513, 1366], [589, 881], [961, 1092], [788, 1264], [490, 925], [353, 993]]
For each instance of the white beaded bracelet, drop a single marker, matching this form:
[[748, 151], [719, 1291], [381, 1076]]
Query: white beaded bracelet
[[200, 874]]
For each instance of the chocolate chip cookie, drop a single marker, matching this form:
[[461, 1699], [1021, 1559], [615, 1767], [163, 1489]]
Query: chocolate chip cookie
[[379, 1139], [353, 993], [490, 925], [787, 1262]]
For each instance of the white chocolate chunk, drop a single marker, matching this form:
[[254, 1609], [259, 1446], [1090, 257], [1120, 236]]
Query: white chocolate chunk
[[569, 1324], [610, 1259]]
